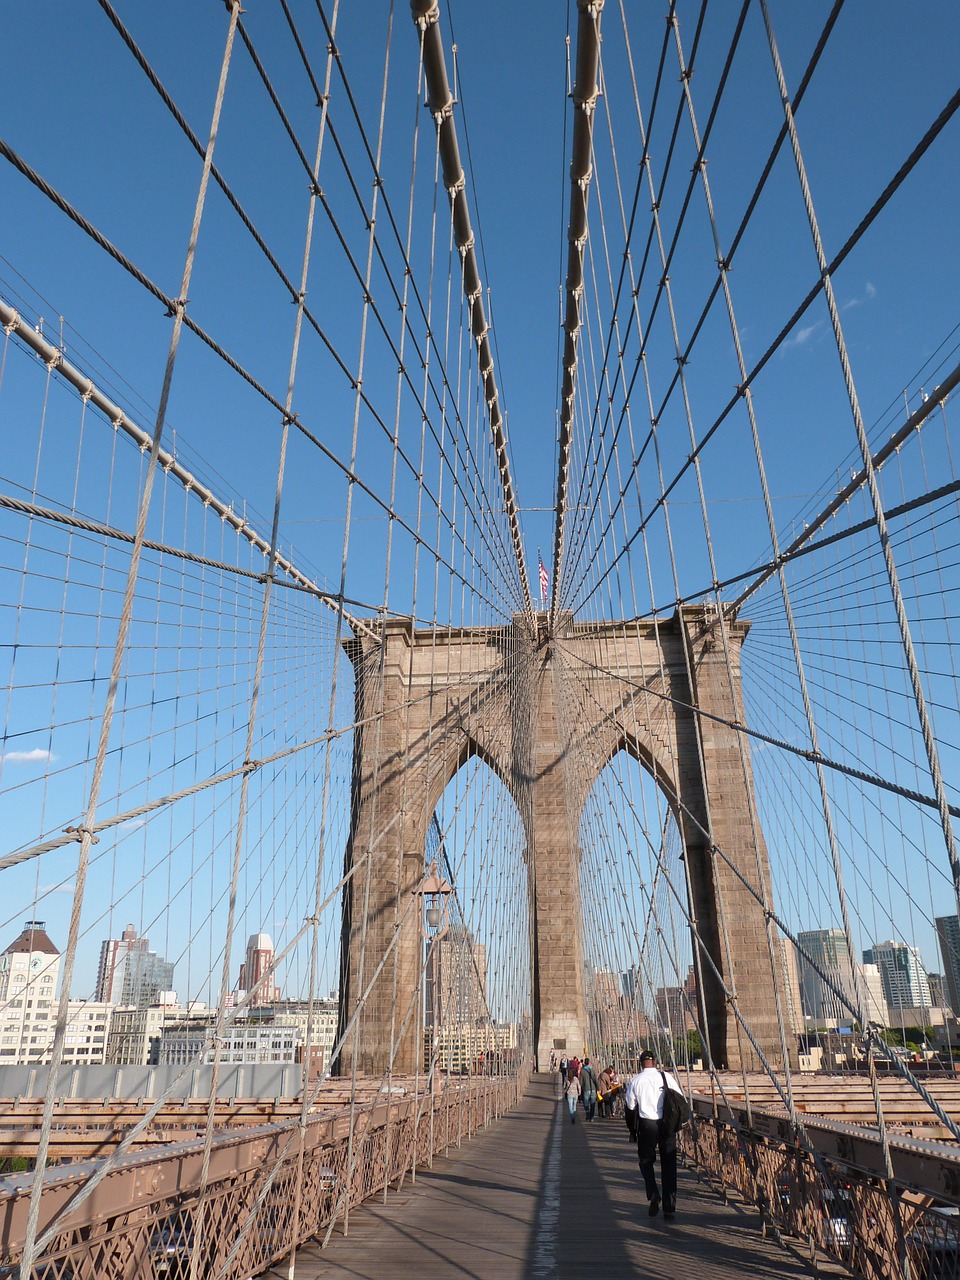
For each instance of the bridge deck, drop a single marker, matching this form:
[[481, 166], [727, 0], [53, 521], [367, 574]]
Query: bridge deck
[[535, 1196]]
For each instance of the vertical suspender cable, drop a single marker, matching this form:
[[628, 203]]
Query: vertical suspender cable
[[873, 489], [426, 14], [586, 90]]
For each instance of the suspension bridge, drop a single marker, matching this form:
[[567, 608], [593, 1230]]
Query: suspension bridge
[[480, 525]]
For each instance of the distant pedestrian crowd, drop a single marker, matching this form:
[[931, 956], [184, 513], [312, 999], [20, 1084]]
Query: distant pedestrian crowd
[[581, 1083]]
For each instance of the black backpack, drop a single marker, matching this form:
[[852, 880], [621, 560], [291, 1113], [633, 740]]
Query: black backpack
[[676, 1109]]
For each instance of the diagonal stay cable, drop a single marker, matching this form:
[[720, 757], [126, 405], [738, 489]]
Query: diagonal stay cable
[[368, 300], [909, 164], [633, 315], [188, 322], [426, 15], [723, 264], [586, 91]]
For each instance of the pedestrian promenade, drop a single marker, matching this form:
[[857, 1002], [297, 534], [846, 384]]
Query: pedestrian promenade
[[536, 1198]]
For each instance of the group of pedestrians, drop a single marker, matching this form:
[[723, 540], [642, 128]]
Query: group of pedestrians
[[644, 1112], [581, 1083]]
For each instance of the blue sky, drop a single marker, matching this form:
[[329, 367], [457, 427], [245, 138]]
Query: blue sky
[[80, 111], [86, 118]]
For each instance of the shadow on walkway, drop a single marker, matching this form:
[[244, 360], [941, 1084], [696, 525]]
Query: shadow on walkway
[[536, 1198]]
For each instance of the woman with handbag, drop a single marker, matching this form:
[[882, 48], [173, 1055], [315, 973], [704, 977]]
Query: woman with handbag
[[572, 1093]]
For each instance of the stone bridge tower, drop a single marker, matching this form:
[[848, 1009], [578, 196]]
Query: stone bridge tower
[[529, 704]]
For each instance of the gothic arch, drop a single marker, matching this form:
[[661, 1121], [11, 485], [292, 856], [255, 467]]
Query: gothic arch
[[452, 760], [631, 745]]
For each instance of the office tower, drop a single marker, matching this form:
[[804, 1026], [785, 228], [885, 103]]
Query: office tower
[[257, 964], [456, 980], [129, 973], [827, 949], [793, 1010], [938, 990], [948, 935], [905, 983], [113, 952]]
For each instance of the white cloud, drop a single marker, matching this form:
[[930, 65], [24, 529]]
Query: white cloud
[[801, 336], [67, 887], [133, 824], [869, 293], [37, 756]]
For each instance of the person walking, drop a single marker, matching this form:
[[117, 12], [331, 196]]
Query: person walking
[[615, 1096], [588, 1088], [563, 1070], [572, 1091], [644, 1115], [604, 1086]]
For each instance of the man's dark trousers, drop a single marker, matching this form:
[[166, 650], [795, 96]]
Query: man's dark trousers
[[650, 1138]]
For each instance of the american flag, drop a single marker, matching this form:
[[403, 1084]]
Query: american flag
[[544, 580]]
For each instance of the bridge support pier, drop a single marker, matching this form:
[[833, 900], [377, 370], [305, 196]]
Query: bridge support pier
[[536, 708], [560, 1020]]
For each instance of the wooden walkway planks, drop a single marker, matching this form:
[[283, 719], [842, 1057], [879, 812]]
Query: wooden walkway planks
[[536, 1198]]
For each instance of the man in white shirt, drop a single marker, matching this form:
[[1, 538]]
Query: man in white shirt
[[644, 1103]]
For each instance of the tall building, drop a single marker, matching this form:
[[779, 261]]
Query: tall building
[[676, 1007], [257, 963], [146, 977], [29, 970], [793, 1011], [948, 935], [113, 951], [456, 980], [905, 983], [827, 949], [629, 981], [873, 994], [938, 990], [129, 973]]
